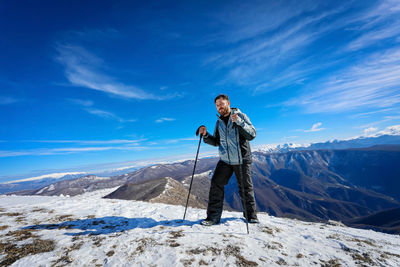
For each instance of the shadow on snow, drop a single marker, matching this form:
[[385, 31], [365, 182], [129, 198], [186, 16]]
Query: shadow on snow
[[113, 224]]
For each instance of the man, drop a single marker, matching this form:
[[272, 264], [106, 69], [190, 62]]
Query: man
[[232, 131]]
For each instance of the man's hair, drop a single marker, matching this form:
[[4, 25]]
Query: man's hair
[[221, 96]]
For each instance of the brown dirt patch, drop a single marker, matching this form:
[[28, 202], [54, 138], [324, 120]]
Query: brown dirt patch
[[14, 252], [110, 253], [281, 262], [143, 243], [204, 251], [187, 262], [240, 260], [364, 258], [331, 263], [11, 214], [20, 235], [202, 262], [97, 241], [176, 234]]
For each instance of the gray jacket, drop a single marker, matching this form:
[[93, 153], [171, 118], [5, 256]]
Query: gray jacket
[[229, 137]]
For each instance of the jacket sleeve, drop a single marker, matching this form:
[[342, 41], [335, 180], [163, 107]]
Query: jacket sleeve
[[246, 129], [212, 139]]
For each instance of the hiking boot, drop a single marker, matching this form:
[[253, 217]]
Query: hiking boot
[[208, 222], [254, 220]]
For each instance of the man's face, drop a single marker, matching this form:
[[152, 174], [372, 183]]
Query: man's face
[[223, 107]]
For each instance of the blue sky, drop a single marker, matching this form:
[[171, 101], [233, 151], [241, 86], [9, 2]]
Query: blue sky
[[96, 82]]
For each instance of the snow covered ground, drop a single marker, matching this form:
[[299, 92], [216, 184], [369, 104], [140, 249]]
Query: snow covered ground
[[87, 230]]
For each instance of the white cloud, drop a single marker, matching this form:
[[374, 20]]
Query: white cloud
[[164, 120], [315, 128], [84, 69]]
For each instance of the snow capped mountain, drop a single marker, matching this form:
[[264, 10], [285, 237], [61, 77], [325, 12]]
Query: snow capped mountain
[[79, 185], [391, 130], [88, 230], [278, 148], [389, 136], [38, 181]]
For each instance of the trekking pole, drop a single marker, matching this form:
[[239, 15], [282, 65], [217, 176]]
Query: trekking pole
[[242, 182], [191, 181]]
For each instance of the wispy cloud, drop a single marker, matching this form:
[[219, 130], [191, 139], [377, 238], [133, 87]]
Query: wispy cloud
[[179, 140], [315, 128], [369, 113], [372, 83], [381, 22], [6, 100], [69, 150], [87, 105], [90, 142], [84, 69], [107, 115], [80, 102], [270, 56], [268, 52], [160, 120], [77, 146], [246, 20], [84, 146]]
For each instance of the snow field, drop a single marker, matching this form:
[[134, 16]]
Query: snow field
[[91, 231]]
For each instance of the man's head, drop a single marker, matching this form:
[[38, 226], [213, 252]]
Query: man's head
[[223, 105]]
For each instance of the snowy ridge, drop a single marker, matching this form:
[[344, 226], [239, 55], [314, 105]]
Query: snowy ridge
[[279, 148], [89, 230], [57, 175]]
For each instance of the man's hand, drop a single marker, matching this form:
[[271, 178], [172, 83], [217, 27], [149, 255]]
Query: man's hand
[[234, 117], [203, 130]]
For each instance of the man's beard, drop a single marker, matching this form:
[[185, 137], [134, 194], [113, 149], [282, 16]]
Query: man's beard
[[223, 112]]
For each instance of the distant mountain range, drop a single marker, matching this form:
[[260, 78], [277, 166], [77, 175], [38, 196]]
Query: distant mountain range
[[359, 142], [37, 182], [389, 136], [314, 185]]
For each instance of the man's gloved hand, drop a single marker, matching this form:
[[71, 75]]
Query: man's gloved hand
[[201, 130]]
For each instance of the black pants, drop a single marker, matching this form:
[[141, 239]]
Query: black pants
[[222, 174]]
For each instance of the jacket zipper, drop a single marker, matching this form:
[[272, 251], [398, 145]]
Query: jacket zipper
[[238, 144], [226, 139]]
